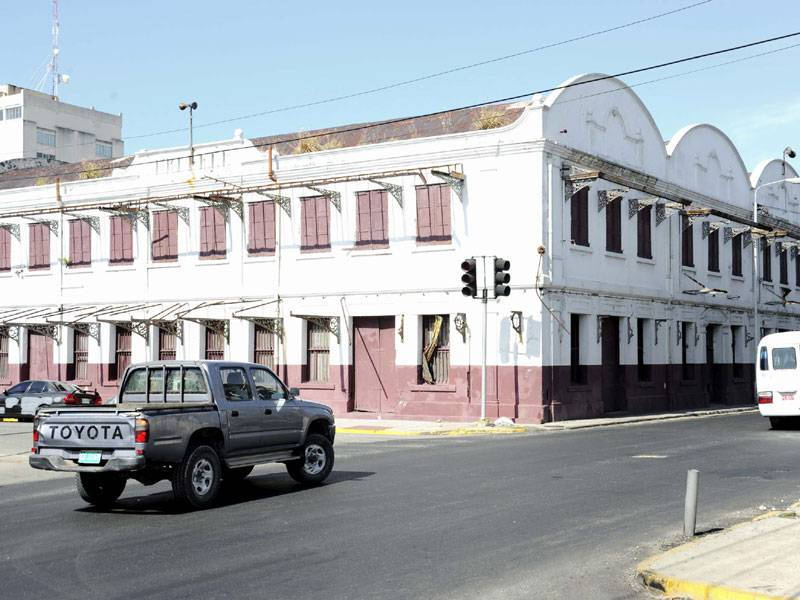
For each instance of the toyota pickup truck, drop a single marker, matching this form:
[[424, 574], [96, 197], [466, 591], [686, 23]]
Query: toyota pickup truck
[[196, 424]]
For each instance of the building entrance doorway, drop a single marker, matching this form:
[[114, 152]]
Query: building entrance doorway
[[714, 374], [374, 385], [610, 369], [40, 357]]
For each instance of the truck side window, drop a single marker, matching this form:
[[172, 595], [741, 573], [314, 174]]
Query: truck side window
[[763, 365], [234, 382], [193, 382], [268, 387]]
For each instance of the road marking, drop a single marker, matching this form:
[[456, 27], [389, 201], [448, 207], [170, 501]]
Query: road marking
[[10, 420], [650, 456]]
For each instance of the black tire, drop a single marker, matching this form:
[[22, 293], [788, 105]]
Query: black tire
[[237, 474], [100, 489], [196, 480], [783, 422], [315, 462]]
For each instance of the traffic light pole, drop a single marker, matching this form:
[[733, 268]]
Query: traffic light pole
[[485, 301]]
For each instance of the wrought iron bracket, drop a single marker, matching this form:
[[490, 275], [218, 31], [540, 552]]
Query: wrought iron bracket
[[460, 322], [665, 210], [51, 331], [10, 331], [454, 179], [708, 227], [271, 324], [747, 337], [637, 204], [516, 323], [90, 329], [51, 225], [331, 324], [134, 215], [573, 187], [94, 222], [283, 201], [779, 248], [333, 196], [575, 180], [747, 238], [658, 324], [141, 328], [175, 327], [606, 197], [395, 190], [183, 212], [12, 228], [223, 202], [220, 326]]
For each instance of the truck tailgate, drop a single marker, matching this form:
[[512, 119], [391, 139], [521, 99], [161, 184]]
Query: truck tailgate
[[86, 430]]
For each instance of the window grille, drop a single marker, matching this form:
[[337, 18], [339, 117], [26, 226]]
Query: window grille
[[80, 356], [166, 345], [264, 347]]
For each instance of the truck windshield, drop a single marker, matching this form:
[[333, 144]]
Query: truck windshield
[[136, 385]]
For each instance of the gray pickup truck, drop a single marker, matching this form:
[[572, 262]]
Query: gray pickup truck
[[193, 423]]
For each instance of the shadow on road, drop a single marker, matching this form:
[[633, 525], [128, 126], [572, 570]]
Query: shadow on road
[[257, 487]]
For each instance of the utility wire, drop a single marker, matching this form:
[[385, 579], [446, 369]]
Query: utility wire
[[414, 80], [365, 126]]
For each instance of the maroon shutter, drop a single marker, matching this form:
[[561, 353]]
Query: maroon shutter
[[5, 249], [323, 223], [253, 217], [444, 199], [268, 210], [378, 217], [435, 198], [219, 233], [172, 234], [80, 243], [155, 243], [205, 232], [261, 237], [423, 214], [364, 214], [309, 216], [39, 246], [126, 228]]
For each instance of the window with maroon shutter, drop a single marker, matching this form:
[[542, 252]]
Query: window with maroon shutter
[[121, 240], [166, 345], [736, 255], [372, 230], [316, 224], [687, 242], [766, 260], [212, 233], [579, 208], [433, 214], [783, 258], [39, 246], [264, 347], [713, 251], [317, 353], [261, 233], [80, 356], [644, 233], [5, 249], [80, 243], [614, 226], [122, 352], [215, 345], [165, 236]]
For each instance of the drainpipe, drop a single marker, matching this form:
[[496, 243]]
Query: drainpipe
[[60, 205]]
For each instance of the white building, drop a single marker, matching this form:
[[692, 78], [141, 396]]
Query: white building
[[331, 258], [37, 125]]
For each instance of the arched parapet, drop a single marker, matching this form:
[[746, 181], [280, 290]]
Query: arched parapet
[[781, 199], [702, 158], [605, 118]]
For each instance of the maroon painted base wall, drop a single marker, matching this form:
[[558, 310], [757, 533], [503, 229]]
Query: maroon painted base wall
[[525, 394]]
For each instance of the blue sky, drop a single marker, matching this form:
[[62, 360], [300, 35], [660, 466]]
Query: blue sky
[[244, 56]]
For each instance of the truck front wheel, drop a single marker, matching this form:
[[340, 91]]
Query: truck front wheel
[[315, 462], [196, 480], [100, 489]]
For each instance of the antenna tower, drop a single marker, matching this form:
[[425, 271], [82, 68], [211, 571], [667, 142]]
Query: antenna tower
[[54, 74]]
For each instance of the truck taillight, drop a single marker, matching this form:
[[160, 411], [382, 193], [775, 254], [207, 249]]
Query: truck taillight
[[34, 449], [765, 397], [142, 431]]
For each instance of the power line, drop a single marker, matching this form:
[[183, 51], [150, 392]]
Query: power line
[[465, 107], [415, 79]]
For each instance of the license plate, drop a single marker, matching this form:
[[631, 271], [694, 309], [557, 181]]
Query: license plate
[[788, 397], [90, 458]]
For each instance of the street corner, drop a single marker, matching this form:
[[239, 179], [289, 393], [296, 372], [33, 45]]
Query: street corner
[[752, 560]]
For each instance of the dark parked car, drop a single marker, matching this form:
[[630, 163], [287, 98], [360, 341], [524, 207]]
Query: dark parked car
[[25, 398]]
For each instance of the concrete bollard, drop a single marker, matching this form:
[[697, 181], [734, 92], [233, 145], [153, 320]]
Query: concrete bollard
[[690, 505]]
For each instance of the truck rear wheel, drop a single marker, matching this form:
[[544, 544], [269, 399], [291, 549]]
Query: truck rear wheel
[[100, 489], [315, 462], [196, 480]]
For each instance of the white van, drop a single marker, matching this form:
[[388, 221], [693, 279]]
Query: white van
[[778, 379]]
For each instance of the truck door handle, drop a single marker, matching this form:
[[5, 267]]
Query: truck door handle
[[234, 413], [267, 411]]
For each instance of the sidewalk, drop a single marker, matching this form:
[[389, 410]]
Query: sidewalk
[[399, 427], [755, 560]]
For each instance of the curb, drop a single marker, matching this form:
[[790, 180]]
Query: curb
[[565, 425], [434, 432], [684, 588]]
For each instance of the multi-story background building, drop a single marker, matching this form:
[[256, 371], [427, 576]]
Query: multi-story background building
[[37, 125], [334, 257]]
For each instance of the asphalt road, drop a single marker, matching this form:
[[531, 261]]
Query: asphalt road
[[546, 515]]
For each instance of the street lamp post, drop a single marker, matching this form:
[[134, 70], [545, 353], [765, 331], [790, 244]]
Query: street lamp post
[[191, 106], [756, 282]]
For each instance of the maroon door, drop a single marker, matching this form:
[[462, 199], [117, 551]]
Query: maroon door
[[374, 366], [40, 357], [611, 372]]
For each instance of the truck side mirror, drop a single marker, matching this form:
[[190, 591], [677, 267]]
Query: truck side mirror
[[294, 392]]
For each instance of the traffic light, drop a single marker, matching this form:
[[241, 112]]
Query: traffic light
[[501, 277], [469, 278]]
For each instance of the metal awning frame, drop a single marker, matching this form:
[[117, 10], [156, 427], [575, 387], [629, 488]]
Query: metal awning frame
[[331, 324]]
